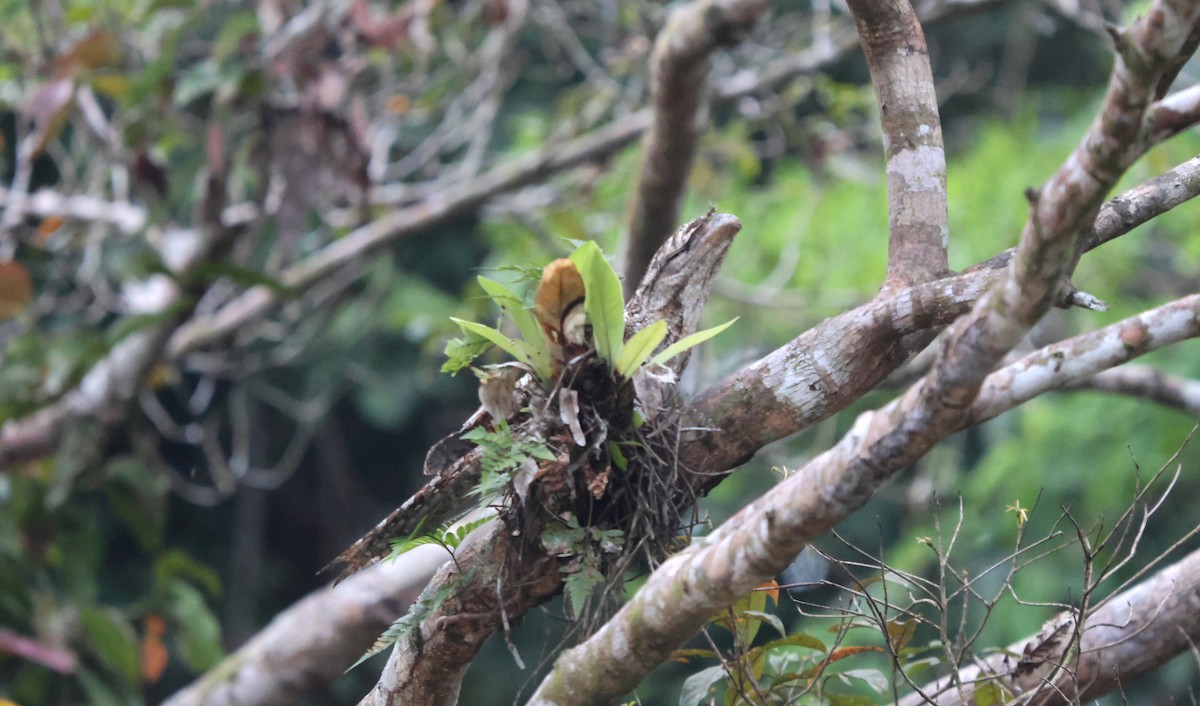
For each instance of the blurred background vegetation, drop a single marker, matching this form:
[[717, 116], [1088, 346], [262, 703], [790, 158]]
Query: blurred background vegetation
[[143, 564]]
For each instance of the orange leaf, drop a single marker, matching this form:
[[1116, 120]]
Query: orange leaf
[[399, 104], [154, 652], [559, 292], [98, 48], [47, 228], [15, 289], [771, 588], [850, 652]]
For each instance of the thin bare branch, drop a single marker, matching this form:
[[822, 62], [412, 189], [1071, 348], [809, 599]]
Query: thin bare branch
[[111, 384], [1147, 383], [1128, 635]]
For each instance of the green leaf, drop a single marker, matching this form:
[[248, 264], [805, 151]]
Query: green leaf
[[113, 640], [517, 349], [618, 458], [990, 693], [769, 618], [402, 545], [176, 564], [530, 330], [697, 686], [690, 341], [578, 587], [199, 634], [428, 602], [604, 302], [460, 352], [446, 536], [639, 347], [454, 537], [235, 29], [97, 692], [873, 678], [900, 633]]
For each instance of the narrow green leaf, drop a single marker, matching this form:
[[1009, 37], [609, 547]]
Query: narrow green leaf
[[517, 349], [639, 347], [530, 330], [618, 458], [604, 303], [690, 341]]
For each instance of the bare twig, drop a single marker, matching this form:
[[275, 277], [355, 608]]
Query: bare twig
[[1148, 383], [1130, 634], [1076, 359]]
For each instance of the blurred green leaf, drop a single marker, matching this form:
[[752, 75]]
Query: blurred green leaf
[[176, 564], [112, 640], [199, 634]]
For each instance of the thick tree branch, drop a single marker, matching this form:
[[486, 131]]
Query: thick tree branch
[[898, 58], [679, 79], [1130, 634], [490, 584], [765, 536], [315, 640]]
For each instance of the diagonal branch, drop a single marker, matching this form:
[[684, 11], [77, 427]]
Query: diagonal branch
[[315, 640], [828, 367], [1076, 359], [898, 58], [1147, 383]]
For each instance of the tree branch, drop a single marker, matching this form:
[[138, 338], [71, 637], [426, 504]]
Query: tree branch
[[1148, 383], [678, 76], [1072, 362], [764, 537], [828, 367], [110, 385], [315, 640], [898, 59]]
